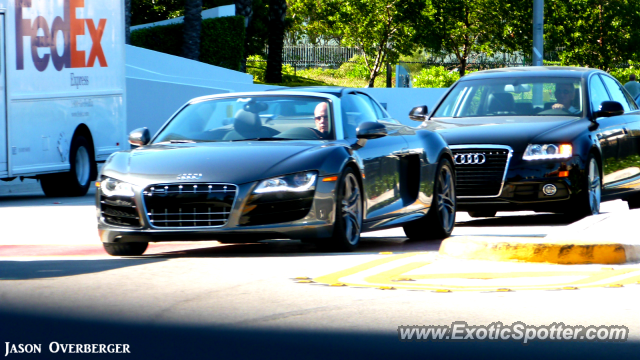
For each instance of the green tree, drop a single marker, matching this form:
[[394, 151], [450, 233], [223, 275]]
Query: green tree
[[594, 33], [467, 27], [382, 29], [191, 29]]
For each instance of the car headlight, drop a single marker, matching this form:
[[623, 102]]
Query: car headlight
[[299, 182], [547, 151], [114, 187]]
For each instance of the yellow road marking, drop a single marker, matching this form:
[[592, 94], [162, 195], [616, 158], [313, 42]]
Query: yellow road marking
[[406, 276]]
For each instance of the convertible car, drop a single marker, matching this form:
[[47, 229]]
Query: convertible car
[[552, 139], [317, 164]]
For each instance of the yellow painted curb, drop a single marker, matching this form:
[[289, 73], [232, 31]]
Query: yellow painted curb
[[539, 250]]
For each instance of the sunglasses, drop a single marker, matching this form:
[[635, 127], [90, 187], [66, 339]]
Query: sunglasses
[[564, 92], [322, 117]]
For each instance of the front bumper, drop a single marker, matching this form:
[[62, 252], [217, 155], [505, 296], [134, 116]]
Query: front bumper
[[318, 223], [523, 186]]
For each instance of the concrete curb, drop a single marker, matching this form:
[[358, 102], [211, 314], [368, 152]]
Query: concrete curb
[[600, 239]]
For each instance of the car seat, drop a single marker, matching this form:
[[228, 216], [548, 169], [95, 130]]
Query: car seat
[[247, 125], [500, 103]]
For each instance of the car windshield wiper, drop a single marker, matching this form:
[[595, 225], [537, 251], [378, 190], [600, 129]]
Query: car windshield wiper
[[264, 139]]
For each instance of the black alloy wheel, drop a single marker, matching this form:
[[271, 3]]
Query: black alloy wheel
[[349, 213], [440, 220]]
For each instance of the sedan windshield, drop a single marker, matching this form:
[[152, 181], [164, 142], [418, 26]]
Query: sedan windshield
[[539, 96], [259, 118]]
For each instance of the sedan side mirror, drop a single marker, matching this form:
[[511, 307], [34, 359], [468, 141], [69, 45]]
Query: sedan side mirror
[[419, 113], [139, 137], [370, 130], [609, 109]]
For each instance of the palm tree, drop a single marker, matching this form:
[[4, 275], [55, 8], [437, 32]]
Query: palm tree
[[277, 13], [245, 8], [191, 30]]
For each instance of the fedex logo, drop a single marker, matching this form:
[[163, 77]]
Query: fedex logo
[[70, 26]]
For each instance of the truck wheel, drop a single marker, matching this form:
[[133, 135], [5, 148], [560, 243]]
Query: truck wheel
[[440, 220], [77, 181], [125, 249]]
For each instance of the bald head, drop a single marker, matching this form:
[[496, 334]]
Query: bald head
[[322, 118]]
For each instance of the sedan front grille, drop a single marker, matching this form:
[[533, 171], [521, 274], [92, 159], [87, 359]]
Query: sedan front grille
[[189, 205], [483, 175]]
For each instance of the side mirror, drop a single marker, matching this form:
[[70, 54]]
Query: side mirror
[[139, 137], [609, 109], [370, 130], [419, 113]]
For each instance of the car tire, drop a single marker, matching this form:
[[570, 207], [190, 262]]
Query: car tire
[[482, 213], [588, 200], [349, 214], [125, 249], [440, 220], [76, 182]]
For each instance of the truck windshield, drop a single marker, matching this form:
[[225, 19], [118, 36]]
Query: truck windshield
[[542, 96], [252, 118]]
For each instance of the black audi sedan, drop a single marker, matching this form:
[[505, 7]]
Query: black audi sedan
[[321, 165], [549, 139]]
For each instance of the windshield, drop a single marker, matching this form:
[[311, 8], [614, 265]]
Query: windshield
[[264, 118], [539, 96]]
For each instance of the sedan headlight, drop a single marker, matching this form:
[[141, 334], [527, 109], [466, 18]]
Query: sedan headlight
[[113, 187], [547, 151], [299, 182]]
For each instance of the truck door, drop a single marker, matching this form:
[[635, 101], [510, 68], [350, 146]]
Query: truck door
[[3, 104]]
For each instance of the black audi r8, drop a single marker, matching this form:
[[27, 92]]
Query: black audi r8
[[552, 139], [321, 165]]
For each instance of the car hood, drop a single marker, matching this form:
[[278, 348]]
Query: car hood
[[224, 162], [516, 132]]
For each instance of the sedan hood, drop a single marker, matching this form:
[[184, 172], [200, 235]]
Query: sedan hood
[[223, 162], [515, 132]]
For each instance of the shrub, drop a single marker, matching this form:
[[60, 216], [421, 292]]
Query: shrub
[[257, 66], [623, 74], [435, 77], [221, 40]]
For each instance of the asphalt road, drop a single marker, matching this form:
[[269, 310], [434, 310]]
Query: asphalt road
[[196, 300]]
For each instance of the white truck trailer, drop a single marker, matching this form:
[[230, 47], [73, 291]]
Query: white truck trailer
[[62, 90]]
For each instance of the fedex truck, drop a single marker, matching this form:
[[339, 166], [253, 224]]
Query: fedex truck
[[62, 90]]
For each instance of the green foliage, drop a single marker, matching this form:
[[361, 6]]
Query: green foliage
[[257, 66], [435, 77], [383, 29], [623, 74], [221, 40], [594, 33]]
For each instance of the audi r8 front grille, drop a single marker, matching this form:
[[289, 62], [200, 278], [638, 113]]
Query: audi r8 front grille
[[119, 211], [189, 205], [480, 171]]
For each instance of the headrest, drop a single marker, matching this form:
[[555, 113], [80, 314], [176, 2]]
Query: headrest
[[500, 102], [246, 122]]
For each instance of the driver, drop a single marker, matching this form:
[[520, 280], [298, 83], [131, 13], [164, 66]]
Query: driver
[[322, 121], [565, 93]]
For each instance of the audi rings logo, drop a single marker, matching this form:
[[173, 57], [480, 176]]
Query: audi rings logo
[[470, 159]]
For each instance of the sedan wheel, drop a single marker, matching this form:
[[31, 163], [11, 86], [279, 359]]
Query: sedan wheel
[[595, 187], [588, 201], [440, 220]]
